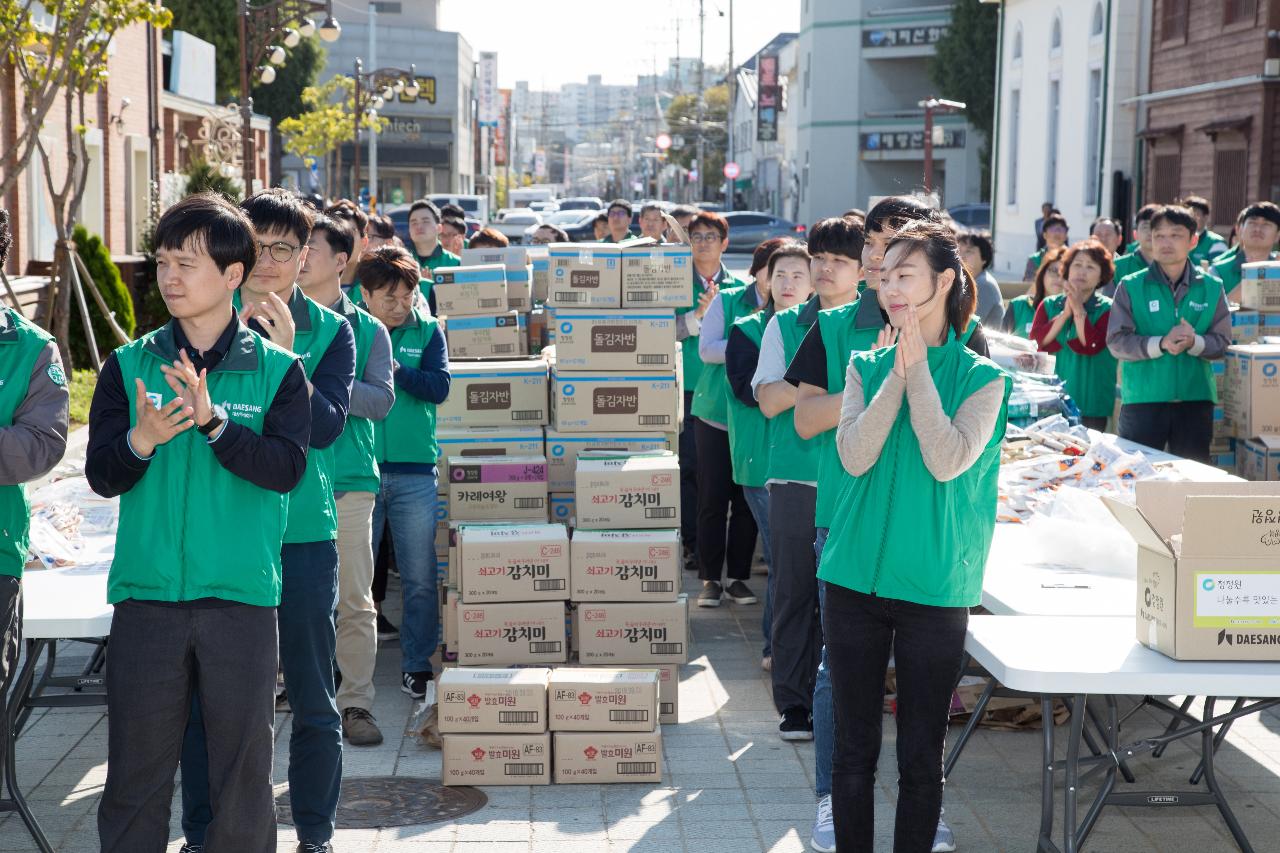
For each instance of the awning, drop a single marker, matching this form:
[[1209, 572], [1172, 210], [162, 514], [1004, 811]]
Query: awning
[[1160, 132], [1240, 124]]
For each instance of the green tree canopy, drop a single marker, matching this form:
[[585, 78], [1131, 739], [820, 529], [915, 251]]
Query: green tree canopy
[[682, 118], [964, 68]]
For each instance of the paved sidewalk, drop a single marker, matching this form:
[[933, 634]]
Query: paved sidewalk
[[730, 784]]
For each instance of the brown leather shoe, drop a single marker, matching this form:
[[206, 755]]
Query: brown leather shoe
[[359, 728]]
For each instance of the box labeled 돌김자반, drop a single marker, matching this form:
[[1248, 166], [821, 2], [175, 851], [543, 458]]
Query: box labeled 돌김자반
[[487, 335], [527, 562], [508, 634], [618, 633], [616, 402], [1260, 286], [1208, 581], [600, 699], [585, 275], [632, 341], [625, 565], [498, 487], [470, 290], [476, 758], [495, 393], [493, 700], [1251, 394], [563, 450], [488, 441], [622, 492], [608, 757], [657, 276]]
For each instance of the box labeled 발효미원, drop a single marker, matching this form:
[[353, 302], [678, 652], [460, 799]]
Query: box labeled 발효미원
[[493, 700], [1259, 458], [563, 450], [527, 562], [600, 699], [1208, 581], [508, 634], [498, 487], [1252, 389], [657, 276], [632, 633], [615, 402], [495, 393], [487, 335], [1260, 286], [608, 757], [488, 441], [478, 758], [585, 275], [622, 492], [625, 565], [562, 508], [470, 290], [634, 341]]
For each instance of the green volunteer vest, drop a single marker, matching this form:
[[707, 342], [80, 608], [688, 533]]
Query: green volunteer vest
[[790, 456], [1023, 313], [408, 433], [691, 371], [1170, 378], [21, 343], [902, 534], [1209, 246], [1089, 379], [439, 257], [355, 464], [748, 428], [190, 528], [708, 397], [1129, 264], [842, 336]]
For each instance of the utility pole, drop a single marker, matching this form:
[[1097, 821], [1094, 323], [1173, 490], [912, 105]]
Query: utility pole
[[373, 137], [702, 14], [731, 183]]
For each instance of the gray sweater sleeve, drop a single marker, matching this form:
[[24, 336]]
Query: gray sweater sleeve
[[1213, 343], [950, 446], [1122, 333], [373, 392], [37, 439], [863, 428]]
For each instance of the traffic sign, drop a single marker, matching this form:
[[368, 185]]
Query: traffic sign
[[732, 170], [663, 141]]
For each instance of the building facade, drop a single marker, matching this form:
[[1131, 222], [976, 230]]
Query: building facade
[[765, 133]]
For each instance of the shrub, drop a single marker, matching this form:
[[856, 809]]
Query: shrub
[[202, 177], [106, 275]]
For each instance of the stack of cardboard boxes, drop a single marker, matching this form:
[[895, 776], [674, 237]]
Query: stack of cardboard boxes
[[1249, 378]]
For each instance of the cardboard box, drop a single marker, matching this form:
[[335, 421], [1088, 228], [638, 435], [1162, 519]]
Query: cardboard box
[[563, 449], [615, 402], [507, 257], [540, 264], [506, 634], [537, 331], [562, 509], [585, 275], [621, 492], [657, 276], [495, 393], [1222, 428], [632, 633], [625, 565], [1260, 286], [1252, 397], [487, 335], [498, 487], [600, 699], [520, 288], [527, 562], [442, 525], [668, 690], [488, 441], [1208, 581], [470, 290], [1268, 327], [604, 757], [493, 700], [635, 341], [496, 759], [1259, 459], [1245, 326], [451, 619]]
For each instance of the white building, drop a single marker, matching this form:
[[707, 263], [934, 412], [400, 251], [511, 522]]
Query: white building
[[769, 178], [1064, 132], [861, 131]]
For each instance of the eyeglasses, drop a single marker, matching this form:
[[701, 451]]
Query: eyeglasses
[[619, 214], [541, 241], [280, 251], [705, 237]]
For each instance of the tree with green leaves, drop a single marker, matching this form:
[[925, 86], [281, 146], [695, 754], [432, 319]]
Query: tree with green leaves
[[327, 122], [682, 118], [963, 68]]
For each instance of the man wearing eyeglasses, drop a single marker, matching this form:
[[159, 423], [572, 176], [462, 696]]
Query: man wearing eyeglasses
[[619, 221], [272, 304]]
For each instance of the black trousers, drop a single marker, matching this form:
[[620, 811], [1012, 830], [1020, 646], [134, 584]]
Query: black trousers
[[721, 504], [1184, 429], [1100, 424], [381, 564], [688, 478], [796, 636], [157, 654], [927, 644]]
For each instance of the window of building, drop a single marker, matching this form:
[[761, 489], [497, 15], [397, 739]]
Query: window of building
[[1055, 34], [1051, 142], [1173, 20], [1239, 11], [383, 7], [1017, 43], [1164, 173], [807, 64], [1096, 25], [1230, 175], [1015, 122], [1093, 138]]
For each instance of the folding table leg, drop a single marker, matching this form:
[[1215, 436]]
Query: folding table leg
[[1072, 778], [1112, 734], [1109, 736], [1217, 741], [1211, 780], [1173, 726], [1046, 777], [16, 702], [978, 710]]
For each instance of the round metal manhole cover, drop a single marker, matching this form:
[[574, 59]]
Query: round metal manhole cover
[[377, 801]]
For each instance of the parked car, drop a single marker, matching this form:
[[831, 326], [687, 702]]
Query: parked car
[[576, 223], [544, 206], [475, 206], [750, 228], [512, 223], [971, 215], [583, 202], [400, 219]]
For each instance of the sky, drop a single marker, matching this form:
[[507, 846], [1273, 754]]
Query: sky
[[550, 42]]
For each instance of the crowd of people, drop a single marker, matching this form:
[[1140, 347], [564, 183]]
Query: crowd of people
[[274, 449]]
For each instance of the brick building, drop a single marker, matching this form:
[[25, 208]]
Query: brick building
[[1211, 113]]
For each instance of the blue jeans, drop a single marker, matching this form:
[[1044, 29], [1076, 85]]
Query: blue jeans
[[308, 599], [407, 502], [824, 718], [758, 502]]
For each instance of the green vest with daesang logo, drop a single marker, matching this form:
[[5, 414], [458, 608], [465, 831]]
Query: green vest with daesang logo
[[792, 458], [355, 463], [1170, 378], [21, 343], [708, 397], [190, 528], [1089, 379], [748, 428], [408, 433]]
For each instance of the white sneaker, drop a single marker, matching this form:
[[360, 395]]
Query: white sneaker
[[944, 840], [823, 837]]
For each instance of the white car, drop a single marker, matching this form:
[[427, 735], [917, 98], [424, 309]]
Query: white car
[[544, 206], [569, 220], [514, 222]]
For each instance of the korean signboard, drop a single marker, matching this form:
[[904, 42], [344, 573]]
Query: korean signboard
[[769, 98], [919, 36], [488, 104], [909, 140]]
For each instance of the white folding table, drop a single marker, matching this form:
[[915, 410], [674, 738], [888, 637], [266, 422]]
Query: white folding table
[[1075, 657], [1012, 586]]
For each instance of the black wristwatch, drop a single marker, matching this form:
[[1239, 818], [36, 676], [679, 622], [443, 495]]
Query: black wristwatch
[[210, 426]]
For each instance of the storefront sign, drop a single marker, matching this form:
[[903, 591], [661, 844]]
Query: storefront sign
[[768, 99], [487, 90], [909, 140], [903, 36]]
